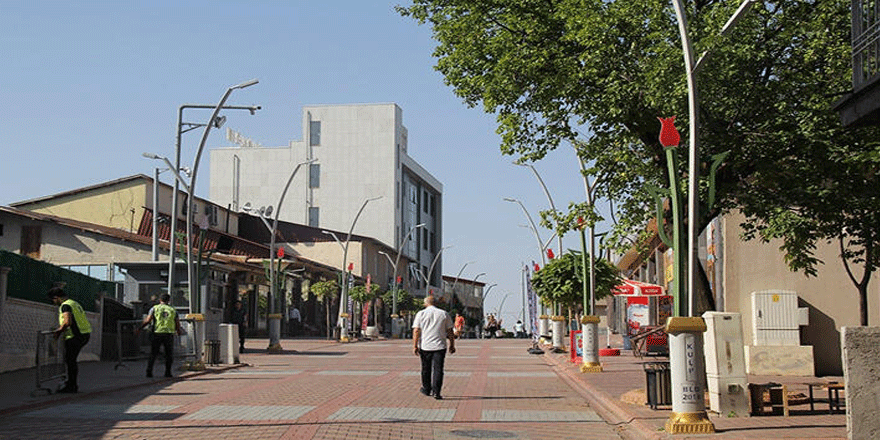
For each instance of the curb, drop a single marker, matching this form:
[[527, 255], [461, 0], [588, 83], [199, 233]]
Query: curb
[[629, 425]]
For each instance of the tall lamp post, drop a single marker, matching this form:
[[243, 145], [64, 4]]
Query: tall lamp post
[[483, 305], [686, 333], [183, 127], [452, 299], [214, 122], [433, 263], [394, 277], [343, 299], [274, 316]]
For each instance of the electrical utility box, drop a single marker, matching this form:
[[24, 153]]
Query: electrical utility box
[[725, 364], [776, 318]]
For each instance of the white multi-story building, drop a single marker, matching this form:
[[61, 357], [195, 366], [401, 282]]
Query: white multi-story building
[[361, 154]]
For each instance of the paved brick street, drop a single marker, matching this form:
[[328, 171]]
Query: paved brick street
[[323, 390]]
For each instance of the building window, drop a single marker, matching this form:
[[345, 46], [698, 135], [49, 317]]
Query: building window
[[433, 243], [1, 229], [425, 239], [314, 133], [433, 206], [314, 175], [314, 212], [425, 201], [31, 236]]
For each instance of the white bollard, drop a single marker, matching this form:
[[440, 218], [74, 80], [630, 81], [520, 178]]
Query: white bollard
[[198, 340], [543, 328], [558, 332], [229, 353], [686, 366], [590, 341], [274, 332]]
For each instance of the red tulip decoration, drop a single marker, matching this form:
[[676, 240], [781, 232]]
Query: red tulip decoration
[[537, 268], [280, 252], [550, 253], [350, 267], [669, 136]]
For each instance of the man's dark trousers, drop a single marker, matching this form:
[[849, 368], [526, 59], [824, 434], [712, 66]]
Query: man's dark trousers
[[165, 340], [432, 370], [72, 347]]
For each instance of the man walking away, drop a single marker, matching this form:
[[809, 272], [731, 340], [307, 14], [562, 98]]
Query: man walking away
[[430, 326], [73, 324], [166, 324]]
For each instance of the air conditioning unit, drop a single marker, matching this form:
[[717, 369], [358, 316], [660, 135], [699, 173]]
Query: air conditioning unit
[[776, 318]]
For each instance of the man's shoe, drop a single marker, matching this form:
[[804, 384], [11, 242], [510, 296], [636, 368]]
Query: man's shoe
[[438, 397], [168, 374], [425, 391], [149, 374]]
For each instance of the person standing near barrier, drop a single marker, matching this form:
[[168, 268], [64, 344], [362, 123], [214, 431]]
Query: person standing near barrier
[[165, 324], [73, 324], [239, 316], [430, 326]]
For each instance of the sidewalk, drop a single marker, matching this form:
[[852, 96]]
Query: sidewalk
[[618, 395], [20, 391]]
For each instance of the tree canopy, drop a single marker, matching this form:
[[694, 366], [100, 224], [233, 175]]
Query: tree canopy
[[596, 75], [561, 280]]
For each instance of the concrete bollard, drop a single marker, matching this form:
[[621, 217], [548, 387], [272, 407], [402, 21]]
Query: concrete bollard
[[686, 365], [229, 353], [558, 332], [199, 340], [590, 338], [543, 328], [274, 332]]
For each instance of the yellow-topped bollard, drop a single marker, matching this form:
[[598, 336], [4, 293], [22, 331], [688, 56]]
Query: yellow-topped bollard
[[590, 344], [274, 329], [687, 369]]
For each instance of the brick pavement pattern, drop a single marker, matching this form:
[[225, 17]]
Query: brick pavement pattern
[[324, 390]]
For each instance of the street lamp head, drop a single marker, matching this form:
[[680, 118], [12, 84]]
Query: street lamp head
[[383, 253], [247, 207], [420, 225], [151, 156], [245, 84], [508, 199], [218, 121], [253, 109], [267, 211]]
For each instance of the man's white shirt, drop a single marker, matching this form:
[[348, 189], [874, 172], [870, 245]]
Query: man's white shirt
[[434, 324]]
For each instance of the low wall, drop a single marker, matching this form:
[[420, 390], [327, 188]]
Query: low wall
[[19, 324]]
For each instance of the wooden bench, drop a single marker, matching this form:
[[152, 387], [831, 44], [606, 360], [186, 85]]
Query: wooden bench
[[778, 398], [833, 388]]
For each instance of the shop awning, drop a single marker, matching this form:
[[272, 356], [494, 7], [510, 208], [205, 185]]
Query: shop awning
[[631, 287]]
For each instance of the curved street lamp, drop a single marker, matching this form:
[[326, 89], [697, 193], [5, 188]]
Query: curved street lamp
[[396, 261], [343, 298], [274, 329]]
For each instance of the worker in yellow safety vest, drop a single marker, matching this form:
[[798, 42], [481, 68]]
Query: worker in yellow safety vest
[[165, 324], [73, 324]]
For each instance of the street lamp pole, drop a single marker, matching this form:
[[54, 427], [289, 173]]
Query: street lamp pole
[[343, 298], [212, 121], [274, 317], [396, 261], [172, 239], [534, 230], [452, 299], [431, 269]]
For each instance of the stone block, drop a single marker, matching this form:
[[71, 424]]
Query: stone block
[[780, 360], [861, 350]]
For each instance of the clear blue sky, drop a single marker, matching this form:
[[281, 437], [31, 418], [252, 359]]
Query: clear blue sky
[[86, 87]]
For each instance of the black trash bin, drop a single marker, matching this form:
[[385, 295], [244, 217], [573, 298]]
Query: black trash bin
[[658, 381]]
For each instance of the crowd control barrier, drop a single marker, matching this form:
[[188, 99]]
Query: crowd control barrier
[[50, 361], [132, 346]]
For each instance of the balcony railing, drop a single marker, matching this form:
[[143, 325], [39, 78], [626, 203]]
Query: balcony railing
[[865, 42]]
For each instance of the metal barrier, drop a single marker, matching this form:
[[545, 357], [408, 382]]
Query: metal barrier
[[132, 346], [658, 380], [50, 360]]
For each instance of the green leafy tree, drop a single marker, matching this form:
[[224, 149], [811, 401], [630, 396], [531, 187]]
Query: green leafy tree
[[325, 291], [561, 280], [596, 74]]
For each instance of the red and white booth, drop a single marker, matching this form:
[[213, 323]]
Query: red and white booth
[[637, 306]]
